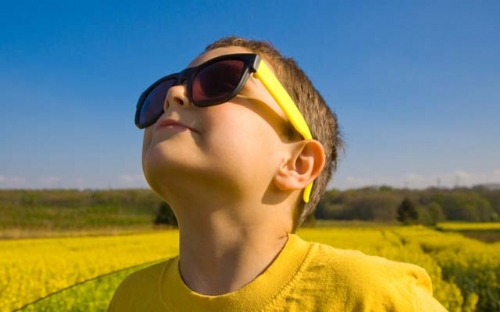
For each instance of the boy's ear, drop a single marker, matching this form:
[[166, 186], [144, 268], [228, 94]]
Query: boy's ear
[[306, 161]]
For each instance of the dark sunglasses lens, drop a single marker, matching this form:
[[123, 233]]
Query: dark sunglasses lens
[[217, 82], [152, 107]]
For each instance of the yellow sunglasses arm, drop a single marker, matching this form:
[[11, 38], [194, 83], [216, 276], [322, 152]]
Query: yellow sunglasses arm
[[281, 96]]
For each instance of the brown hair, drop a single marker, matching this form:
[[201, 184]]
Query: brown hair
[[321, 120]]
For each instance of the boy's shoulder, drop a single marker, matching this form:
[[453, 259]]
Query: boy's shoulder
[[354, 263], [357, 278]]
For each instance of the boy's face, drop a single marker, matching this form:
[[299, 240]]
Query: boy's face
[[232, 149]]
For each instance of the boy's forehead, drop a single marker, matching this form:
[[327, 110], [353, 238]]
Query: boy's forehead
[[217, 52]]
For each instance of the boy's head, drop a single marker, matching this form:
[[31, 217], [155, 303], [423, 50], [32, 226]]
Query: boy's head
[[196, 144], [320, 119]]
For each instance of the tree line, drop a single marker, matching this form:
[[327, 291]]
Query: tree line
[[127, 206], [428, 206]]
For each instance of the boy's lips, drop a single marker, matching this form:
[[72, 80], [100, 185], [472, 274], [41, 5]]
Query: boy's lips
[[171, 123]]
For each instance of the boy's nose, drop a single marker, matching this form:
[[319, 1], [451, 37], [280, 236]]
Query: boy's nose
[[176, 95]]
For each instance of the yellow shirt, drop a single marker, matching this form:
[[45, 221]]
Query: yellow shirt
[[304, 277]]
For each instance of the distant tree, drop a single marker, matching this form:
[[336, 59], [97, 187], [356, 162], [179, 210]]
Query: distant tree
[[385, 188], [465, 205], [424, 216], [407, 211], [165, 215], [371, 206], [430, 214], [435, 212], [319, 213], [493, 196]]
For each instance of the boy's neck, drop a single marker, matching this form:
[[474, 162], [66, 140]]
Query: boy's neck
[[219, 255]]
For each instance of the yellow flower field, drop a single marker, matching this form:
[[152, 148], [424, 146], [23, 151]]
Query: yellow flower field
[[468, 226], [465, 273], [33, 268]]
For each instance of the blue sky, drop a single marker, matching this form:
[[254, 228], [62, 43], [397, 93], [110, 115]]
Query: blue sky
[[415, 84]]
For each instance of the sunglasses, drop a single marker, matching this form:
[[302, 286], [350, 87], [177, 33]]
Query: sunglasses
[[215, 82]]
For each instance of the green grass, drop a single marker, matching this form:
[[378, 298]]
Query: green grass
[[39, 221]]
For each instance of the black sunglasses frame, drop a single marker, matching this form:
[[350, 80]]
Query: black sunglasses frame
[[250, 61]]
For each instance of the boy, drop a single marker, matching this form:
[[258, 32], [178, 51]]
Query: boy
[[242, 167]]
